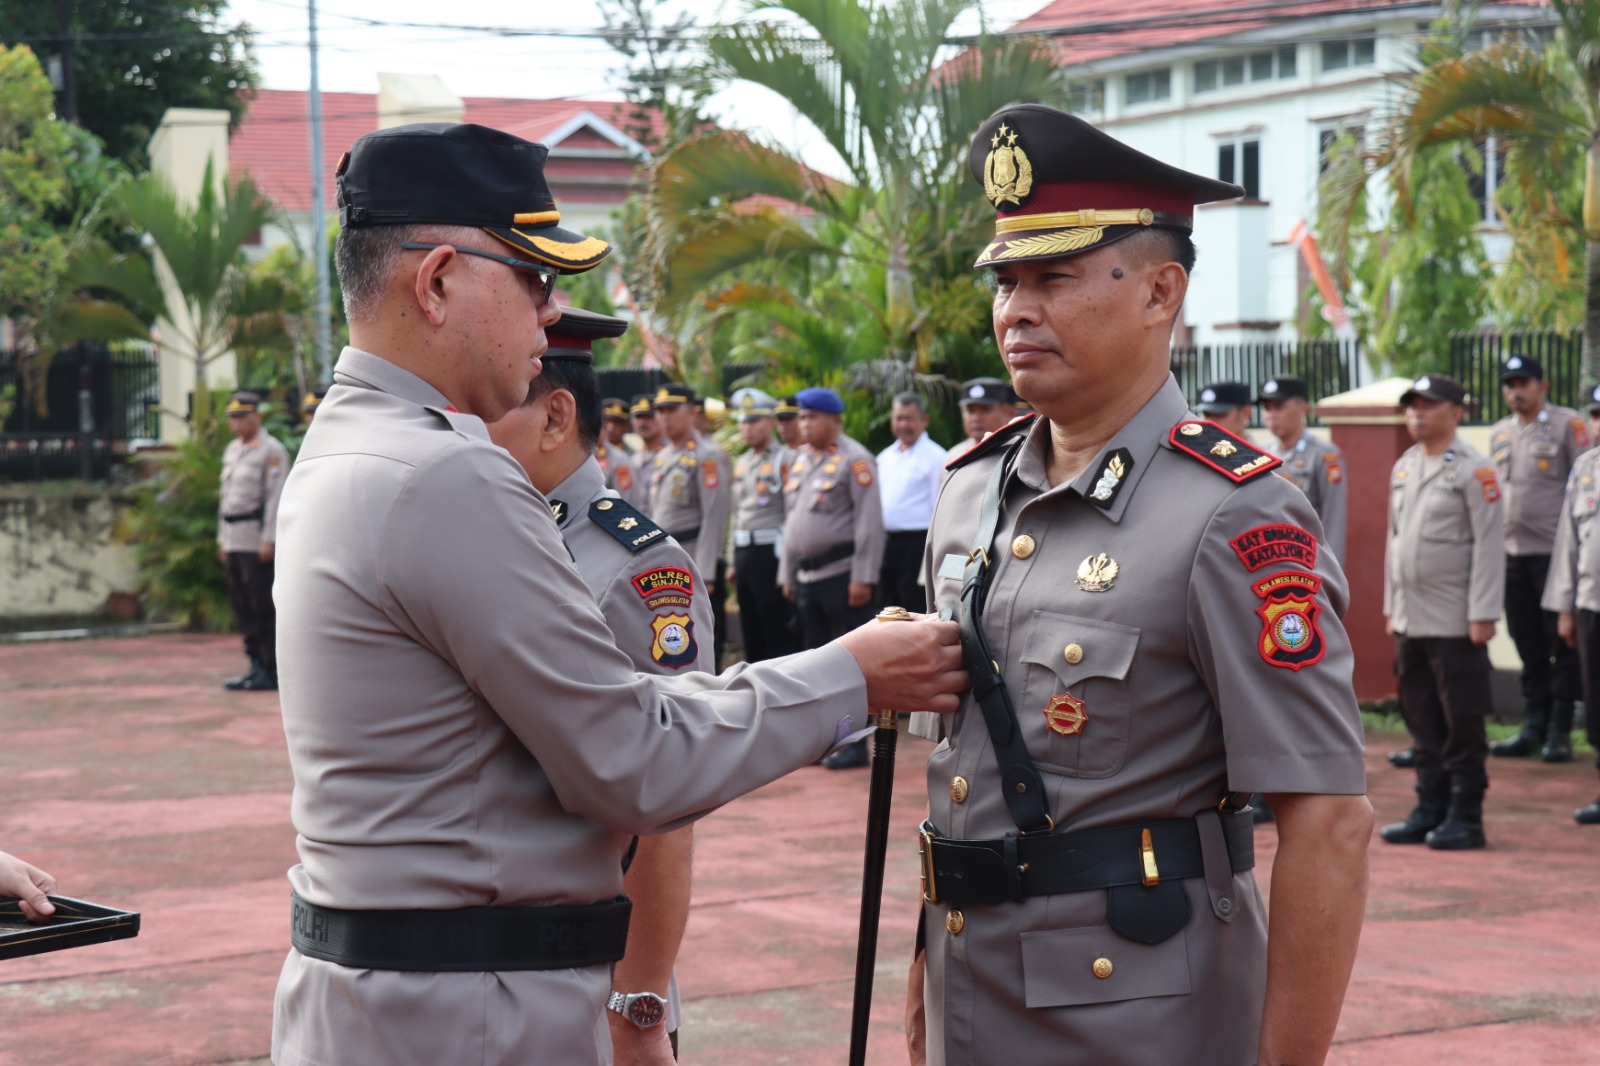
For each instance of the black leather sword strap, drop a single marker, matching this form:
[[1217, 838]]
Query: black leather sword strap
[[468, 939], [1021, 784]]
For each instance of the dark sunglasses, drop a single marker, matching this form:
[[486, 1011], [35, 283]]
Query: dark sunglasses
[[547, 274]]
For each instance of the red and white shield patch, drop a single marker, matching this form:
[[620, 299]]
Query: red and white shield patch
[[1290, 636]]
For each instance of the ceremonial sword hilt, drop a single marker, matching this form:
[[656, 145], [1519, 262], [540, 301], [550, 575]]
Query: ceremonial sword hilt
[[887, 719]]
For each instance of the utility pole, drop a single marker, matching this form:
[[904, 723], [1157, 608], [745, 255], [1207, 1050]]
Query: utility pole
[[319, 217]]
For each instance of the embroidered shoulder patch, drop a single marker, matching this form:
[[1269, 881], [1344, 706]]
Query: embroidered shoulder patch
[[623, 476], [665, 586], [673, 640], [1580, 433], [994, 441], [1333, 466], [1276, 543], [709, 473], [1234, 457], [626, 523], [1489, 483], [863, 472], [1290, 636]]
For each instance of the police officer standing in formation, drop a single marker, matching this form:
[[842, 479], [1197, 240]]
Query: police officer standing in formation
[[651, 440], [689, 494], [987, 404], [1153, 631], [254, 466], [787, 412], [766, 618], [1574, 586], [656, 605], [833, 535], [1442, 589], [616, 462], [471, 751], [1227, 403], [1533, 449], [909, 472], [1314, 465]]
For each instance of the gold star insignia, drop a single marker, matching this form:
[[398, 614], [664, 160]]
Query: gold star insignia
[[627, 524]]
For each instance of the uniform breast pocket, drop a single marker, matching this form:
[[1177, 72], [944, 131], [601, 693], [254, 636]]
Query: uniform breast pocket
[[1074, 706], [1444, 517], [1583, 511]]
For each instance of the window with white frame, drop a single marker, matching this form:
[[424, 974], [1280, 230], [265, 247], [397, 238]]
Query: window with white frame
[[1275, 65], [1347, 53], [1329, 135], [1087, 97], [1239, 161], [1147, 85]]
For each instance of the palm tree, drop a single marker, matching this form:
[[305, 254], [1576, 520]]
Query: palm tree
[[1541, 103], [195, 280], [722, 233]]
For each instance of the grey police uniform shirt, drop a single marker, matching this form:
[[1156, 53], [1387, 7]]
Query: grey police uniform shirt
[[646, 585], [1533, 461], [621, 470], [463, 730], [1574, 580], [1186, 695], [832, 497], [252, 479], [689, 493], [758, 479], [1317, 469], [1444, 565]]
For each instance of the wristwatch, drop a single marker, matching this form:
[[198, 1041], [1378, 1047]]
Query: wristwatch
[[644, 1009]]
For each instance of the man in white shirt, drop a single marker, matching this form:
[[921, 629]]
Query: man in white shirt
[[908, 475]]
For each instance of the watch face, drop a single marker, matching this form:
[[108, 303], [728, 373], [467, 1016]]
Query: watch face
[[645, 1011]]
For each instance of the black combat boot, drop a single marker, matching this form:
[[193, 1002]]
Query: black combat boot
[[1433, 796], [245, 681], [1462, 828], [1404, 759], [1558, 742], [265, 679], [1529, 739]]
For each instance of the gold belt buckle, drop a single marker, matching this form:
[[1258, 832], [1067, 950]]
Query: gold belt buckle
[[930, 889]]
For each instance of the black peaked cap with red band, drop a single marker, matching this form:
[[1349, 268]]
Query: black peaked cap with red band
[[574, 334], [1062, 187], [462, 175]]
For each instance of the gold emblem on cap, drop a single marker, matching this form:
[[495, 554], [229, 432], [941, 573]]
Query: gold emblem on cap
[[1193, 429], [958, 789], [1096, 573], [1102, 967], [1007, 170], [1022, 547], [1222, 449], [1073, 654], [955, 921]]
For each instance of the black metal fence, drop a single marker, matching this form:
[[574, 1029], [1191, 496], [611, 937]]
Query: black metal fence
[[97, 402], [1327, 366], [1476, 356]]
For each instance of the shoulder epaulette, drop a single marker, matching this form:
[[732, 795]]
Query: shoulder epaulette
[[629, 525], [998, 439], [1233, 457]]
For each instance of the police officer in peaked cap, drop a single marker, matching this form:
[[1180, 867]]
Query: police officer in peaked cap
[[1153, 628], [471, 751]]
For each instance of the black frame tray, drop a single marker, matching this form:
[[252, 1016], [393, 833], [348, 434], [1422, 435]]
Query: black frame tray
[[76, 923]]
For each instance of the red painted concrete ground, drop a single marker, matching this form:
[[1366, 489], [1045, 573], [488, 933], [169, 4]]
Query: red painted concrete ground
[[129, 774]]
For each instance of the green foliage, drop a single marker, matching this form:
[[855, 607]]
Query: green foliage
[[34, 185], [172, 531], [1418, 276], [663, 77], [133, 60]]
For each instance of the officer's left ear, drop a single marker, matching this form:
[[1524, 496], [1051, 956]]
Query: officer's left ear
[[560, 419]]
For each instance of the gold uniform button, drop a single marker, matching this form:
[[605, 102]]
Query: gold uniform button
[[955, 921], [1023, 546], [1073, 654], [958, 789], [1102, 967], [1191, 430], [603, 505]]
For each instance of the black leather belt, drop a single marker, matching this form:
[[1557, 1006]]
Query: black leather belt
[[1017, 867], [468, 939], [687, 535], [843, 550], [257, 515]]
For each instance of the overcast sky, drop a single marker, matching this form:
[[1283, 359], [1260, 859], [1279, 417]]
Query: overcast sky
[[475, 62]]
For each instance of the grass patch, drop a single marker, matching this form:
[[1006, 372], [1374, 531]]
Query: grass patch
[[1383, 716]]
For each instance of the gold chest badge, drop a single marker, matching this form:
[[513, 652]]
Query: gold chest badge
[[1096, 573], [1065, 715], [1007, 170]]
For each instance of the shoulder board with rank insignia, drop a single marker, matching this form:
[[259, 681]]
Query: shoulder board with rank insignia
[[627, 523], [1234, 457], [998, 439]]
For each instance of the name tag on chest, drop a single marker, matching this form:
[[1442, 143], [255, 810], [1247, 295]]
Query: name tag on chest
[[953, 566]]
